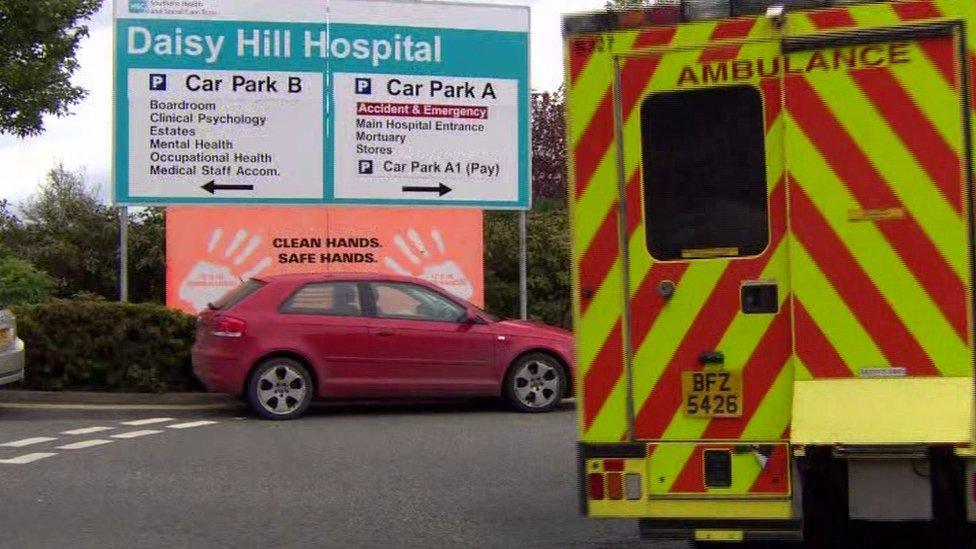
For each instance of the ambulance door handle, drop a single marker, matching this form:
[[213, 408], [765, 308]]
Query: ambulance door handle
[[666, 289], [711, 357]]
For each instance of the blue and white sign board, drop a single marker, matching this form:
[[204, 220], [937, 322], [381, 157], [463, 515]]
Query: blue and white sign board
[[321, 102]]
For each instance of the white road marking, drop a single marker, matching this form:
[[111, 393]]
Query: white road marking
[[149, 421], [191, 424], [181, 407], [87, 430], [136, 434], [27, 458], [27, 442], [84, 444]]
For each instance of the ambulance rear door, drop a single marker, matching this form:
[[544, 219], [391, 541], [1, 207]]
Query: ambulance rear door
[[703, 172]]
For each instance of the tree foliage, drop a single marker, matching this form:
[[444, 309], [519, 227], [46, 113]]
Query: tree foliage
[[147, 255], [38, 44], [23, 284], [549, 145], [66, 231], [548, 264], [9, 223], [71, 234]]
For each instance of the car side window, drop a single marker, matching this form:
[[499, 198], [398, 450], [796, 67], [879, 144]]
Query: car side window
[[325, 298], [408, 301]]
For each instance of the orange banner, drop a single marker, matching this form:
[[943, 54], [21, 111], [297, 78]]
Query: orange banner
[[209, 250]]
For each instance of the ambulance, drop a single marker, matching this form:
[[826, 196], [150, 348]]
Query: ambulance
[[772, 228]]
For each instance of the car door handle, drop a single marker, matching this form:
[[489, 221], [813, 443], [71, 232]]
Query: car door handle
[[384, 333]]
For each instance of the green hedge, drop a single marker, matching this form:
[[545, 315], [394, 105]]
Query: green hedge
[[81, 344], [548, 265]]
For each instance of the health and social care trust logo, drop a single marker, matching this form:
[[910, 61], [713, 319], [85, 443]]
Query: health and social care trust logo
[[138, 6]]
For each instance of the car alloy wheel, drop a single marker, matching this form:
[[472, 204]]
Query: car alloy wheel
[[280, 389], [536, 384]]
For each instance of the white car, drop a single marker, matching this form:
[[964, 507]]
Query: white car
[[11, 350]]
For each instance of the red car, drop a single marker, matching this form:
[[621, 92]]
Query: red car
[[281, 341]]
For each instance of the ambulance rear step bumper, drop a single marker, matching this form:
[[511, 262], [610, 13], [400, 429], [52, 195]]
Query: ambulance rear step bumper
[[752, 530]]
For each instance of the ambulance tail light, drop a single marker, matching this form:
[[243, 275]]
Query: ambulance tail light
[[761, 7], [615, 486], [671, 12], [665, 13], [614, 483], [632, 486], [228, 326], [594, 486]]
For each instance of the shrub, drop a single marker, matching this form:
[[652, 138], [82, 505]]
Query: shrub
[[548, 265], [21, 283], [99, 345]]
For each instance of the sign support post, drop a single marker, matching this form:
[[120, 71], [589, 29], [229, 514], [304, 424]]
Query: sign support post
[[124, 253], [523, 268]]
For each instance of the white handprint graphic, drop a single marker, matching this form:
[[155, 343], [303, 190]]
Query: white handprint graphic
[[218, 273], [434, 267]]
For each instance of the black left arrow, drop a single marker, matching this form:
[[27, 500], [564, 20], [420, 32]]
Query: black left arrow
[[210, 187]]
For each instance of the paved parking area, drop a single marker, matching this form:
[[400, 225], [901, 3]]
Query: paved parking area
[[388, 475]]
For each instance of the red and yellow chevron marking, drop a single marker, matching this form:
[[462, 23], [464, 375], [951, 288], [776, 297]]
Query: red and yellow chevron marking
[[598, 278], [603, 387], [753, 472], [705, 312], [891, 292], [854, 294]]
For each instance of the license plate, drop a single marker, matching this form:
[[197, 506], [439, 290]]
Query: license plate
[[6, 334], [712, 393]]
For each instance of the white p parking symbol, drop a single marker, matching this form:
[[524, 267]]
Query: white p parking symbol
[[157, 82], [364, 86]]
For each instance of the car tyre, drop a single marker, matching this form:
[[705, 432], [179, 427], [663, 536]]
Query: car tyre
[[535, 383], [280, 389]]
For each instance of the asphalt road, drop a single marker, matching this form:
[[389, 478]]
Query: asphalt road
[[401, 475]]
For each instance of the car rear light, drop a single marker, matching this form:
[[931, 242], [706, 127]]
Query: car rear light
[[595, 484], [228, 326]]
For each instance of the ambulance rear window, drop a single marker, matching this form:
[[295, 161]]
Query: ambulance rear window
[[704, 173]]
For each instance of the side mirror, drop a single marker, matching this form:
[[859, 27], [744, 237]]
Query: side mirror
[[472, 318]]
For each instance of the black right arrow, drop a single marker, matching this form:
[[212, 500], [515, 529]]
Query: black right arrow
[[441, 189], [210, 187]]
